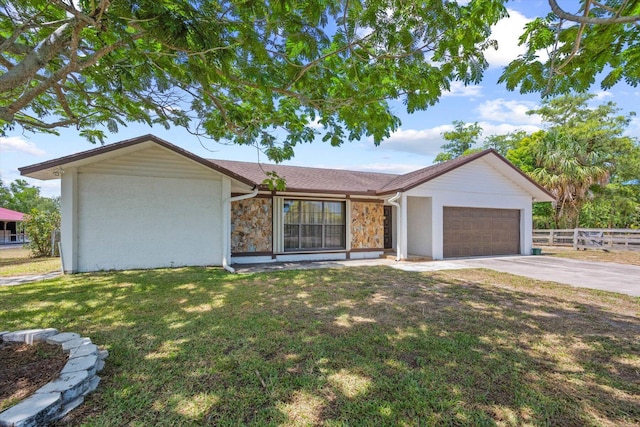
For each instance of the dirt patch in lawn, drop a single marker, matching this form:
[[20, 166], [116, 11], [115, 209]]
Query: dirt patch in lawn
[[25, 368]]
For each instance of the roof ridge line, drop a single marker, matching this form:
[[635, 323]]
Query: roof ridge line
[[395, 175]]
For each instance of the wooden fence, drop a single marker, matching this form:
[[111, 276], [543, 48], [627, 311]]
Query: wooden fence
[[589, 238]]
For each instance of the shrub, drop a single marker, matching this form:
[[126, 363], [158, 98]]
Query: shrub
[[39, 226]]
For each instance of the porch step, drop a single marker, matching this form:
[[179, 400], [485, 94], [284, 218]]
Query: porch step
[[418, 258], [412, 258]]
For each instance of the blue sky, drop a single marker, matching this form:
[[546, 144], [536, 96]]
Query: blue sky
[[411, 147]]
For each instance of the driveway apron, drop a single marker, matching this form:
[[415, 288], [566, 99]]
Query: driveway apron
[[607, 276]]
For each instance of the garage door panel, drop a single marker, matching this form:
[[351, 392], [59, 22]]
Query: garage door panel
[[480, 232]]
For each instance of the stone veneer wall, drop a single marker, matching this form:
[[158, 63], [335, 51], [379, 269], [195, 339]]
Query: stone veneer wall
[[251, 225], [367, 225]]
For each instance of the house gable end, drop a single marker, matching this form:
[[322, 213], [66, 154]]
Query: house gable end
[[154, 161], [502, 170], [477, 177], [53, 169]]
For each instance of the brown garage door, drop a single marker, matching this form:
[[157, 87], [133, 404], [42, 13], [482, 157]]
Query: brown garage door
[[480, 232]]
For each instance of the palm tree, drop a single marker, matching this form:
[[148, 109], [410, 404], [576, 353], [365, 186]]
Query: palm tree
[[568, 168]]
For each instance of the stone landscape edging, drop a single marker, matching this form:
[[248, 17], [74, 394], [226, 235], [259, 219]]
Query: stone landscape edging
[[66, 392]]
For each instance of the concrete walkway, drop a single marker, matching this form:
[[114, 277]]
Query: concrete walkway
[[308, 265], [302, 265], [19, 280]]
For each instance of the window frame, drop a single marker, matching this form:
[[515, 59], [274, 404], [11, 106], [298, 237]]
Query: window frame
[[323, 224]]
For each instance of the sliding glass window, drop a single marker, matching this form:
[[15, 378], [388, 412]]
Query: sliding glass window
[[314, 225]]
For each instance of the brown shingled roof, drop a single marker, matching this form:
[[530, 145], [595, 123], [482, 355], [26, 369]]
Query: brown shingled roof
[[298, 179], [304, 179], [311, 179]]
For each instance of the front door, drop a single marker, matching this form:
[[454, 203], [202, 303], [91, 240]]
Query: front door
[[387, 227]]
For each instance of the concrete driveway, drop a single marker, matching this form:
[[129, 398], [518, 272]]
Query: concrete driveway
[[607, 276]]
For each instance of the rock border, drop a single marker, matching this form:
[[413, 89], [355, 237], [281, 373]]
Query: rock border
[[56, 399]]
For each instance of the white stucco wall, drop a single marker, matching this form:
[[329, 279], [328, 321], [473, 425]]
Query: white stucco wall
[[394, 228], [152, 208], [68, 223], [419, 226], [147, 222], [476, 184]]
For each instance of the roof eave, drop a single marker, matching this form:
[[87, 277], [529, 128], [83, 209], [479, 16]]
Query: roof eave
[[78, 157]]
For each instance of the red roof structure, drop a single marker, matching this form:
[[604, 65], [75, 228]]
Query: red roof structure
[[9, 215]]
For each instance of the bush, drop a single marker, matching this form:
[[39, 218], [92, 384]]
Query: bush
[[39, 226]]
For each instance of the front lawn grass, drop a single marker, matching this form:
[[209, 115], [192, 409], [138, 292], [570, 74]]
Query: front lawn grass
[[344, 347], [19, 262]]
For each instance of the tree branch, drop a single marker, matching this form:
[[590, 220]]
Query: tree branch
[[576, 43], [29, 121], [7, 113], [9, 45], [37, 59], [560, 13], [70, 8], [63, 102]]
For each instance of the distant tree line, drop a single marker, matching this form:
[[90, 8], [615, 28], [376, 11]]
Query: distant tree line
[[21, 196], [582, 156]]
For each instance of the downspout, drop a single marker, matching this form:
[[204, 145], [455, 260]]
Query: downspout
[[392, 201], [251, 195], [225, 261]]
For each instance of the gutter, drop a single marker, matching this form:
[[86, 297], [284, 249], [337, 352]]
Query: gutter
[[392, 201], [225, 261]]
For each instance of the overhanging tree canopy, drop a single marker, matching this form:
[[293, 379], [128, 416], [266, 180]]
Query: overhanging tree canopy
[[601, 39], [244, 70], [235, 69]]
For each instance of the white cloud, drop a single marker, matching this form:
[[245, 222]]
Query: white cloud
[[634, 128], [507, 33], [501, 110], [315, 124], [363, 32], [489, 129], [425, 141], [602, 94], [47, 188], [16, 143], [459, 89]]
